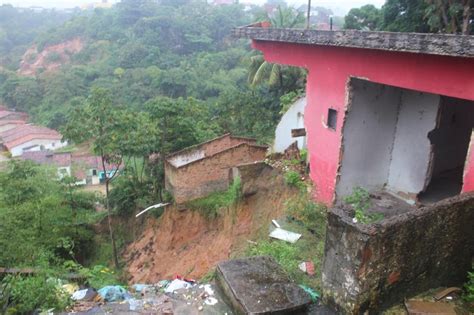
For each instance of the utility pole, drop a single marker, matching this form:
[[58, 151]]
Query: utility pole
[[308, 16]]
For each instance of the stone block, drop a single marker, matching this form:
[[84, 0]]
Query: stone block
[[259, 285]]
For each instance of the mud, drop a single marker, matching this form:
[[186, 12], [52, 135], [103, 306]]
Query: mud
[[185, 243]]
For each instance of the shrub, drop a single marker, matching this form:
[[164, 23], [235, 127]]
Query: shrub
[[36, 292], [210, 206], [469, 287], [360, 201], [310, 214], [293, 179]]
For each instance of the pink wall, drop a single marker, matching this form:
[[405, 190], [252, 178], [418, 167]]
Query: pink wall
[[329, 71]]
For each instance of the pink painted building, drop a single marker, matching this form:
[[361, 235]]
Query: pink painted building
[[386, 111]]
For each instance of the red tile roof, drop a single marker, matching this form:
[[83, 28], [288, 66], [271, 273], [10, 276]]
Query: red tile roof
[[79, 163], [12, 122], [24, 133], [6, 113]]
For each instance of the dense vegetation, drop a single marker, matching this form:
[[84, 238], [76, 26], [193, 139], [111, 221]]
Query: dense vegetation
[[141, 50], [422, 16]]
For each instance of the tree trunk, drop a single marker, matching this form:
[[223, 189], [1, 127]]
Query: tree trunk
[[466, 17], [109, 215]]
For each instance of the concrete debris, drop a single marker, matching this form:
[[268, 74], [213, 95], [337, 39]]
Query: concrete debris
[[259, 285], [444, 293], [429, 308], [285, 235]]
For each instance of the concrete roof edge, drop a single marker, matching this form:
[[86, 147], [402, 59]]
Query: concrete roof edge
[[421, 43], [262, 147]]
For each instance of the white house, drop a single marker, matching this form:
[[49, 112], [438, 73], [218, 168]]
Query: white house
[[25, 138], [292, 119]]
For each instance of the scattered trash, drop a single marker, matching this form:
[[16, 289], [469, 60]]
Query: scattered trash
[[312, 293], [285, 235], [429, 308], [211, 301], [444, 293], [140, 288], [135, 305], [114, 293], [70, 288], [84, 295], [275, 223], [83, 306], [176, 285], [307, 267], [185, 279]]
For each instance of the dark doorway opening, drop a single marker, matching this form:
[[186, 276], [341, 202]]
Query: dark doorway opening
[[450, 143]]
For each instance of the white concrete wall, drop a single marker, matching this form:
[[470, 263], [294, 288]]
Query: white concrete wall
[[292, 119], [186, 157], [411, 151], [48, 145], [368, 137]]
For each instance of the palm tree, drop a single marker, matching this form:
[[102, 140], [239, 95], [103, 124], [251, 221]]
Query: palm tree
[[261, 70]]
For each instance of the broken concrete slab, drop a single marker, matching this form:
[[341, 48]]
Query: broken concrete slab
[[429, 308], [259, 285]]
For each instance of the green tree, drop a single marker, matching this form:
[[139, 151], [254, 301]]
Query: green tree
[[366, 18], [262, 71], [98, 121], [450, 16]]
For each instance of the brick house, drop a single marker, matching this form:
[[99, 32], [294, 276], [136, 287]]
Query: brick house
[[202, 169], [392, 113]]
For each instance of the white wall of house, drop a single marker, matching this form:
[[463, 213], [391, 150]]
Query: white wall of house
[[292, 119], [46, 143]]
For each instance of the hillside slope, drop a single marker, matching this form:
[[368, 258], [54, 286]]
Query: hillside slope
[[185, 243]]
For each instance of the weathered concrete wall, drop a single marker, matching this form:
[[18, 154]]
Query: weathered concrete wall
[[210, 174], [410, 158], [370, 267], [292, 119], [436, 44], [249, 174]]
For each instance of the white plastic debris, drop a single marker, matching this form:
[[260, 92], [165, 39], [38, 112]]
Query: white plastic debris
[[176, 285], [285, 235], [354, 220], [79, 295], [208, 289], [275, 223], [211, 301]]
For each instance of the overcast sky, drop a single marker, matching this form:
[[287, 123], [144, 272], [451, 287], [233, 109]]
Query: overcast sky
[[339, 5]]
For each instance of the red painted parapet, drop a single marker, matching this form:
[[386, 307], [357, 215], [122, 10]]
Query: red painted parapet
[[329, 71]]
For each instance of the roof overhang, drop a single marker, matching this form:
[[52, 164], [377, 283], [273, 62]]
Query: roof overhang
[[432, 44]]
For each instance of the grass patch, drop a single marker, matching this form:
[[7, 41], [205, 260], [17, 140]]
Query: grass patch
[[360, 201], [210, 206], [293, 179], [308, 219]]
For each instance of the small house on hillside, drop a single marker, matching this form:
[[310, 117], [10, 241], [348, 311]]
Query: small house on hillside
[[86, 168], [202, 169], [293, 119], [24, 138]]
